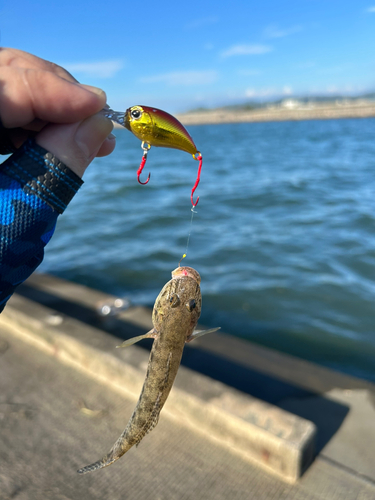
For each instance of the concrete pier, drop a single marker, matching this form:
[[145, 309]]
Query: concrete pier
[[242, 421]]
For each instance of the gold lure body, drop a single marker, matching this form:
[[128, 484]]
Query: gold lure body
[[158, 128]]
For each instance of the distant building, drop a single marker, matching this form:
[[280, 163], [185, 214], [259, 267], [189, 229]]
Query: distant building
[[290, 103]]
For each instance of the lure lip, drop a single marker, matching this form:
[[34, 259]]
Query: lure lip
[[126, 120]]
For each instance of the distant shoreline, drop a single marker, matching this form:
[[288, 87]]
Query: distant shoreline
[[316, 112]]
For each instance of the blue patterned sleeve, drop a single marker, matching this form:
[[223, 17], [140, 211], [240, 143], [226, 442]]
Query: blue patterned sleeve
[[35, 187]]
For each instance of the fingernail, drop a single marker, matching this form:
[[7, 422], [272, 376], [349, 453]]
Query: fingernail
[[91, 134], [94, 90]]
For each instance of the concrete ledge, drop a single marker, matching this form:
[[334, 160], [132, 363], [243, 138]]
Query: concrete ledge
[[276, 440], [67, 297]]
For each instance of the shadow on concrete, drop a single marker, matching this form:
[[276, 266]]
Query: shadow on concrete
[[327, 415]]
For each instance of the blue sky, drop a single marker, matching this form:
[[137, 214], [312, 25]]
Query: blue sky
[[181, 55]]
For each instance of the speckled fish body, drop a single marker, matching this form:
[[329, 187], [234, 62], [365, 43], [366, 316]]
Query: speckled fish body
[[158, 128], [175, 315]]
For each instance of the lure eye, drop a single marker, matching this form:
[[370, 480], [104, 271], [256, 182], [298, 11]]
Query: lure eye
[[191, 305], [174, 300], [136, 113]]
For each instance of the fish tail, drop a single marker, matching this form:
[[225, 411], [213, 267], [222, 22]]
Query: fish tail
[[119, 448], [100, 464]]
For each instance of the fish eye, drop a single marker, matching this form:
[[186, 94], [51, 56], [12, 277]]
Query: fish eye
[[136, 113], [191, 305], [174, 300]]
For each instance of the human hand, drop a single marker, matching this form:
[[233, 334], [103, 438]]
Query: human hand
[[42, 100]]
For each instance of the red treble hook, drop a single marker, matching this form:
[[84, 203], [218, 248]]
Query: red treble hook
[[196, 156], [143, 163]]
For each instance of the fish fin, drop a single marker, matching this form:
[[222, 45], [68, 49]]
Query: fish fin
[[154, 418], [151, 334], [100, 464], [119, 449], [108, 459], [152, 422], [199, 333]]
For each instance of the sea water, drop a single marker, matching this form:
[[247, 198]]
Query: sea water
[[283, 235]]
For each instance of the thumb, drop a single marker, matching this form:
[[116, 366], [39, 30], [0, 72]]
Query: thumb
[[77, 144]]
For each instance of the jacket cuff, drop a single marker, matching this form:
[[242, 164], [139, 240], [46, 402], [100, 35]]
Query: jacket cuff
[[42, 174]]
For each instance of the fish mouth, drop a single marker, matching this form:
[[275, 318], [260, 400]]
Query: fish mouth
[[186, 271]]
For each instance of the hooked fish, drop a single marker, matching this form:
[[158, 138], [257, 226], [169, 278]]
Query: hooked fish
[[175, 315]]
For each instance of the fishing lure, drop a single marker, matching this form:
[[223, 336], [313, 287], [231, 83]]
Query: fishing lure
[[158, 128]]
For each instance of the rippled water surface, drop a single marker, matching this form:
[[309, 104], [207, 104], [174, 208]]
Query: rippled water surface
[[284, 235]]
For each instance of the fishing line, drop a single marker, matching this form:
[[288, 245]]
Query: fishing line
[[188, 238]]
